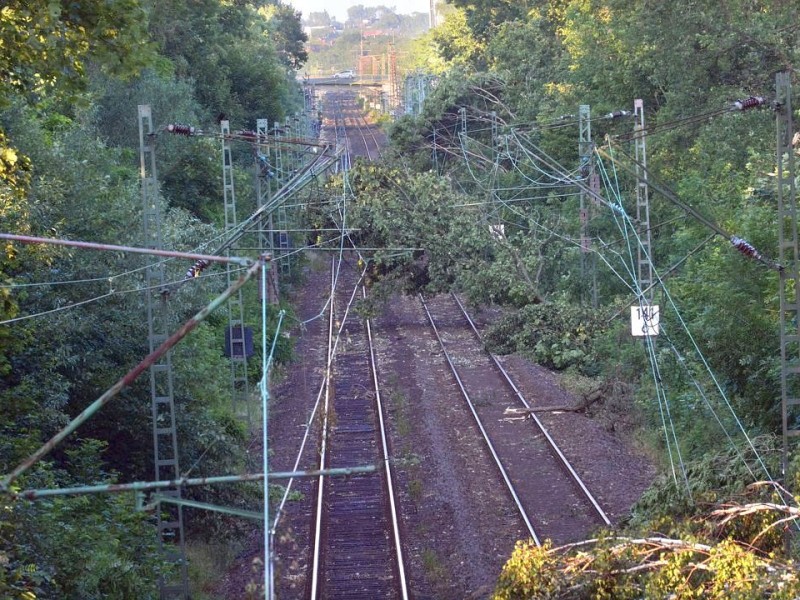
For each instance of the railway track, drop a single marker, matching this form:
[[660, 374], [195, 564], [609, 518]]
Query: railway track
[[549, 494], [363, 139], [353, 547], [356, 550], [367, 132]]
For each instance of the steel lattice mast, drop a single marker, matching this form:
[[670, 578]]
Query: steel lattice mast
[[644, 254], [165, 438], [236, 330], [789, 258], [585, 155], [264, 176], [283, 219]]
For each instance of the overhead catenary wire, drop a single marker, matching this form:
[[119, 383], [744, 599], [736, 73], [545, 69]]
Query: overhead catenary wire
[[743, 246], [629, 234], [617, 209], [196, 270], [625, 225], [97, 246], [196, 251], [315, 408], [107, 396], [698, 352], [659, 280], [51, 311]]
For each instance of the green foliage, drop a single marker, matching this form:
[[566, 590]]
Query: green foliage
[[530, 572], [412, 138], [424, 257], [611, 567], [545, 58], [555, 334], [711, 478], [73, 74], [93, 546], [227, 50], [540, 61], [14, 176], [286, 31], [68, 168], [529, 58], [318, 19], [47, 48], [484, 16], [455, 42], [47, 45]]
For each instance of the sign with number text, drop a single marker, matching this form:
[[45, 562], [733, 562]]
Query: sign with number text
[[644, 320]]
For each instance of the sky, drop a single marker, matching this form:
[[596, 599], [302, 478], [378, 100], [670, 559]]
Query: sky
[[338, 8]]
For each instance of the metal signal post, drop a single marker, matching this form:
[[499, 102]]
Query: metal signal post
[[236, 337], [165, 437], [644, 253], [789, 258], [589, 191]]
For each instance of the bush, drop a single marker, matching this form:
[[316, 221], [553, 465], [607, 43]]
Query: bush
[[555, 335]]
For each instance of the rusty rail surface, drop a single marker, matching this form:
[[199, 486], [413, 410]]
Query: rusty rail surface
[[356, 553], [551, 498]]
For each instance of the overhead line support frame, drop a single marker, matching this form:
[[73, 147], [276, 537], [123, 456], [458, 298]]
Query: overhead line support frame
[[169, 524], [236, 336], [789, 257]]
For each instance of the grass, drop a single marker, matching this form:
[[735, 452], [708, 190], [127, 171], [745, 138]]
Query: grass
[[415, 490], [576, 383], [408, 460], [402, 422], [207, 565], [434, 569]]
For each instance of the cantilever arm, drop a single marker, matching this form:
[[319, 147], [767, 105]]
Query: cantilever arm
[[129, 377]]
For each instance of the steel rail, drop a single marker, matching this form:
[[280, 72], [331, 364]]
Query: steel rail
[[324, 444], [386, 461], [489, 444], [340, 123], [355, 122], [346, 508], [307, 434], [564, 461], [371, 131], [351, 119]]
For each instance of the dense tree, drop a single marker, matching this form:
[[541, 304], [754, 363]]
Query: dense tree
[[500, 226], [359, 13], [47, 45], [286, 31], [484, 16], [523, 69], [528, 56], [71, 80], [318, 19], [227, 51], [456, 42]]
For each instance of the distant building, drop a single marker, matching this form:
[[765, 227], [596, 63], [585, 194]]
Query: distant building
[[312, 29]]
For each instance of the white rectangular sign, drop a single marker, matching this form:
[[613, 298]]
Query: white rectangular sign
[[644, 320]]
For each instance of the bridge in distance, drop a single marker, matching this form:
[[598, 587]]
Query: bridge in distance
[[358, 80]]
